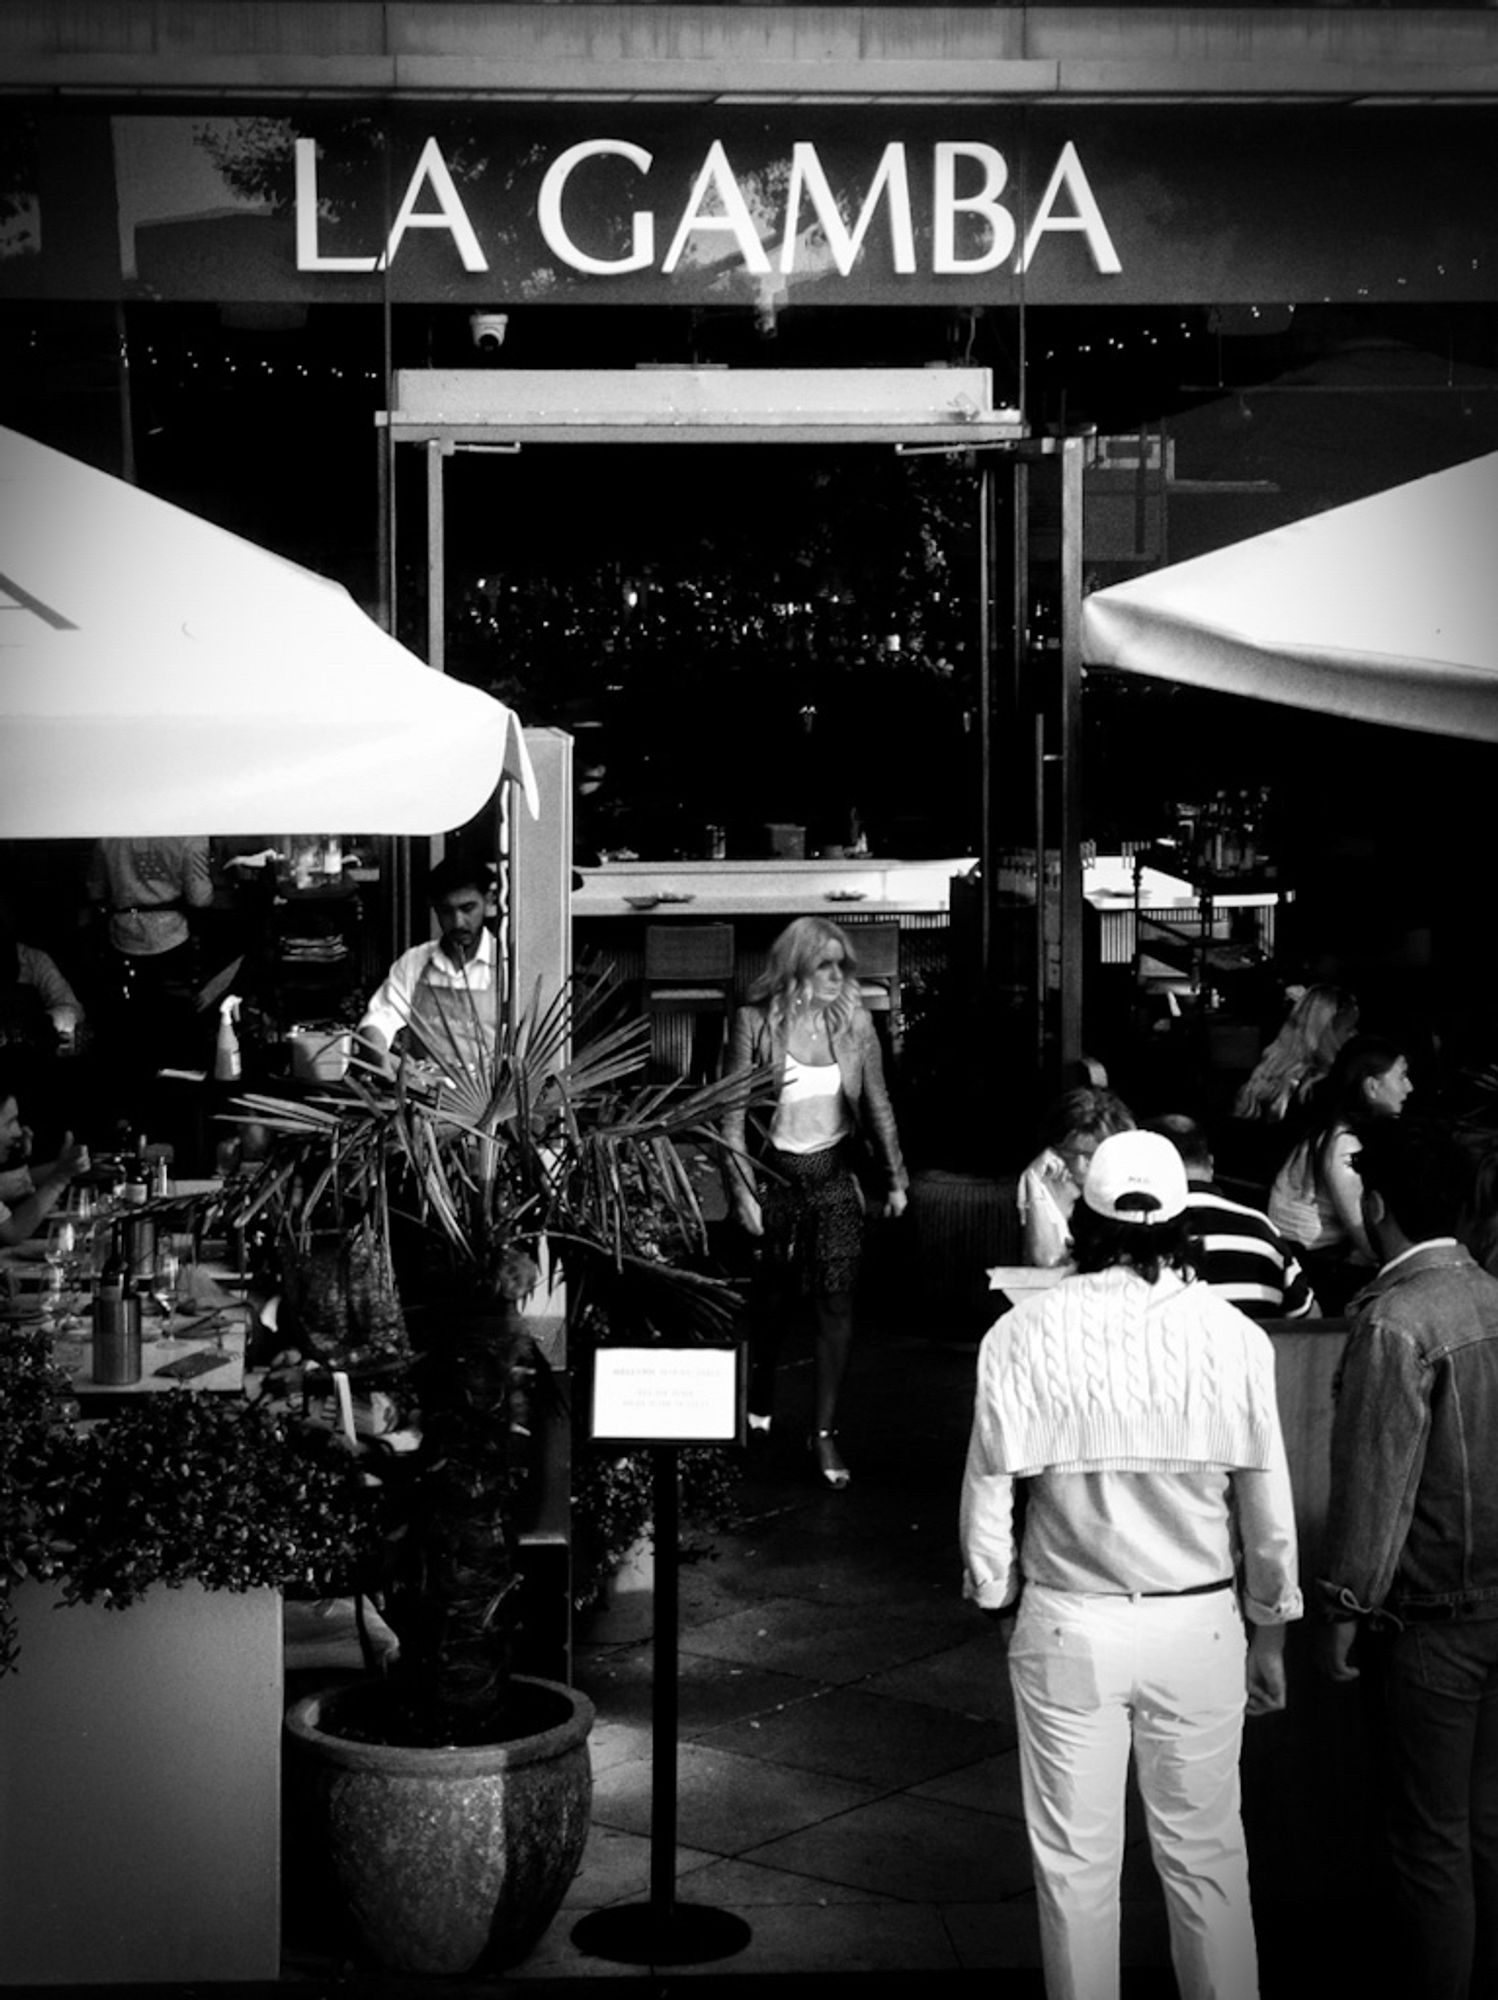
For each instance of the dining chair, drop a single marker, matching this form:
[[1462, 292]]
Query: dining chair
[[688, 998]]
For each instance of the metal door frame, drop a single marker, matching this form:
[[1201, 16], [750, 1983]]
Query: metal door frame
[[939, 409]]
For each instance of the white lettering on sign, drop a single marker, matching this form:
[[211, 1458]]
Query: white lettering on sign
[[946, 205], [308, 257], [715, 179], [717, 207], [808, 178], [432, 171], [554, 230], [1088, 219]]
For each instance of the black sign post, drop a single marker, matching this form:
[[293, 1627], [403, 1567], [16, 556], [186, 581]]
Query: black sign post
[[655, 1395]]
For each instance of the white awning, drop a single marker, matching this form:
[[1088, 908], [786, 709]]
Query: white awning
[[159, 675], [1382, 611]]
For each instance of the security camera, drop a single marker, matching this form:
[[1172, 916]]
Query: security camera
[[488, 331]]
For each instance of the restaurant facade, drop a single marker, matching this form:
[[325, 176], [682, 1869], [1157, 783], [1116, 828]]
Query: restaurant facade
[[745, 395]]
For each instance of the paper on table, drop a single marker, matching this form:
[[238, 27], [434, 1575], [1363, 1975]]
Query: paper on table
[[1025, 1277], [200, 1288]]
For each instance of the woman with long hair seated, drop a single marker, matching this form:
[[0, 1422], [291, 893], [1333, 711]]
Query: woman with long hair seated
[[1316, 1201], [1322, 1020], [793, 1184]]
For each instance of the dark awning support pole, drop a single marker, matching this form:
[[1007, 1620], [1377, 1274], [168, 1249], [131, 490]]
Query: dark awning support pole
[[986, 697], [438, 451], [1073, 451], [394, 850]]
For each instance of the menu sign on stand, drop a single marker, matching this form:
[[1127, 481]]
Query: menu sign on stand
[[664, 1398], [668, 1395]]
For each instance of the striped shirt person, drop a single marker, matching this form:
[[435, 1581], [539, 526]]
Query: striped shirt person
[[1240, 1253]]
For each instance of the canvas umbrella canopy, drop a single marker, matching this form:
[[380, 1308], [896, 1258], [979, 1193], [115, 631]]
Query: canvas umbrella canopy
[[1385, 610], [159, 675]]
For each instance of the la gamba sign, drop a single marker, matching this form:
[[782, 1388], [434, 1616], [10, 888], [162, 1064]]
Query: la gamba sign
[[957, 216]]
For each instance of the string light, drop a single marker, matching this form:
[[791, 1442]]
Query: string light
[[189, 366]]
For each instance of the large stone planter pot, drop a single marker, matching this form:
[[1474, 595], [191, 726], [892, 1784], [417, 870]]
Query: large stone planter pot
[[449, 1858]]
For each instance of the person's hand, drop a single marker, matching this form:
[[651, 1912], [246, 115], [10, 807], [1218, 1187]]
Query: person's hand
[[72, 1160], [1266, 1669], [751, 1219], [1334, 1643], [895, 1203], [372, 1049]]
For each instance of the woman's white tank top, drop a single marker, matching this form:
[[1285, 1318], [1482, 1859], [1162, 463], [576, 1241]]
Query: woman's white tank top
[[812, 1113]]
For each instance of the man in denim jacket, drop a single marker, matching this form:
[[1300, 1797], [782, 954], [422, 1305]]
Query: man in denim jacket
[[1410, 1571]]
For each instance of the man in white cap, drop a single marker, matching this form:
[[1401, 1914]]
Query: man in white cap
[[1137, 1406]]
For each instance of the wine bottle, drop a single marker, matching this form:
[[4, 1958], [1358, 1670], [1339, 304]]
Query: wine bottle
[[137, 1188], [116, 1341]]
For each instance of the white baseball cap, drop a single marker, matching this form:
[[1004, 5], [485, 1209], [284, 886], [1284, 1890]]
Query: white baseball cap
[[1136, 1177]]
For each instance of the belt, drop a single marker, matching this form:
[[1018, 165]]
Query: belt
[[1191, 1590], [145, 909]]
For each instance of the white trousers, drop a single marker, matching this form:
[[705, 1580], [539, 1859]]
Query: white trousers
[[1091, 1675]]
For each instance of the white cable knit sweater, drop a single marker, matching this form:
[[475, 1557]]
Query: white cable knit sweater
[[1107, 1373]]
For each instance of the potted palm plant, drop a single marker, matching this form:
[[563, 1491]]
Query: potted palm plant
[[429, 1202]]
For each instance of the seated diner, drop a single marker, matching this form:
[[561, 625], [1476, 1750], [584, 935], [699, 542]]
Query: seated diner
[[29, 1192]]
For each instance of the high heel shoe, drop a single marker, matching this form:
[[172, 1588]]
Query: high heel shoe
[[829, 1459]]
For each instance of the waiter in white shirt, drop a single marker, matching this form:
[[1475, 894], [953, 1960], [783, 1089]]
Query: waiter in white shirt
[[444, 995]]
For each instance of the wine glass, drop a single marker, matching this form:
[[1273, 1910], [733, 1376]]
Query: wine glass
[[58, 1249], [166, 1284], [88, 1220]]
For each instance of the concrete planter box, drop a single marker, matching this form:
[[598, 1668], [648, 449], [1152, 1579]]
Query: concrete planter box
[[140, 1791]]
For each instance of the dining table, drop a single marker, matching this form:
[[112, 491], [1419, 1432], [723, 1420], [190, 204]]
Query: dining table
[[195, 1337]]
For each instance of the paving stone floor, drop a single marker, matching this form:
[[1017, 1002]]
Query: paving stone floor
[[847, 1777]]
